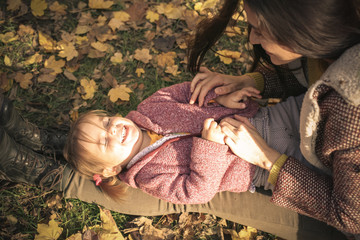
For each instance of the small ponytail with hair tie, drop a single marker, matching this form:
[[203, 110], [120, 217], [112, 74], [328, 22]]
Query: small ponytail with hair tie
[[97, 178]]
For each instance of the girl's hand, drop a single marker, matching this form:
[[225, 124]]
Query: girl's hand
[[245, 142], [212, 131], [206, 80], [236, 99]]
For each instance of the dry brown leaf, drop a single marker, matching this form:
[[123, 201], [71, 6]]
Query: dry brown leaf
[[48, 78], [25, 30], [69, 75], [93, 53], [54, 201], [58, 8], [137, 11], [5, 82], [24, 80], [13, 5], [110, 80]]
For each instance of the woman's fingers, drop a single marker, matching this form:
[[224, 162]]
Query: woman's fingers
[[198, 77]]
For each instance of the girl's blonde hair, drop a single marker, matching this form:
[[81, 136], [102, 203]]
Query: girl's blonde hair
[[86, 163]]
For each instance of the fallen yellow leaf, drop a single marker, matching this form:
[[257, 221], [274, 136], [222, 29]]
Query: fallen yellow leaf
[[152, 16], [139, 71], [38, 7], [47, 42], [122, 16], [143, 55], [7, 61], [166, 59], [24, 80], [36, 58], [227, 56], [117, 58], [54, 65], [119, 92], [8, 37], [100, 46], [68, 50], [49, 231], [100, 4], [87, 88], [172, 70]]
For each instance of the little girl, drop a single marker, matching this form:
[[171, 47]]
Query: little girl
[[159, 149]]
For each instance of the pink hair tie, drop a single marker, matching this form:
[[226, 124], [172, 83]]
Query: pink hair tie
[[97, 179]]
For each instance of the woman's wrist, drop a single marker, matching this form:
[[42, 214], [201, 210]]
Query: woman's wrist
[[256, 80], [271, 157], [275, 170]]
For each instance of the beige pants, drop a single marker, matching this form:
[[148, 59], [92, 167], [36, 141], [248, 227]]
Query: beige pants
[[251, 209]]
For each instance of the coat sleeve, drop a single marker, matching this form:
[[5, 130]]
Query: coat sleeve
[[168, 111], [279, 83], [172, 177], [332, 199]]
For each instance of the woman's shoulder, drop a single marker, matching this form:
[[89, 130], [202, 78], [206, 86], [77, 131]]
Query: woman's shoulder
[[344, 75]]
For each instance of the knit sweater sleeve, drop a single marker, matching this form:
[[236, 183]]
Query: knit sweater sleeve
[[278, 84], [333, 199], [168, 111], [173, 177]]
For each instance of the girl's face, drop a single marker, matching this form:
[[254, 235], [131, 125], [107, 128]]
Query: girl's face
[[116, 140], [278, 54]]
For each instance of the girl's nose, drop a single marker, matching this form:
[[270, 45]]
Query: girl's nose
[[113, 129]]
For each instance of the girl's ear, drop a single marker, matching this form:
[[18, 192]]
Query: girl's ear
[[111, 171]]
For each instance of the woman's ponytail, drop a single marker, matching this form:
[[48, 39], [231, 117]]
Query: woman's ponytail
[[208, 33]]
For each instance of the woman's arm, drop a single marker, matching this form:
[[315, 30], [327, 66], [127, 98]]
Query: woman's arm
[[334, 200], [168, 111]]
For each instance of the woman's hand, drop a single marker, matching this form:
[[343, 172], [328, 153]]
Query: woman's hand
[[212, 131], [236, 99], [245, 142], [206, 80]]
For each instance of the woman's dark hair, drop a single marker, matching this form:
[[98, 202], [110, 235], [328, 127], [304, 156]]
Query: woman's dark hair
[[321, 29], [208, 32]]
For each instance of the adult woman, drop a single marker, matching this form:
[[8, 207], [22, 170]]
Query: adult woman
[[250, 209], [330, 114]]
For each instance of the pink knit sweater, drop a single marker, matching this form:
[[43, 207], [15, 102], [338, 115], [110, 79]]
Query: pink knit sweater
[[186, 169]]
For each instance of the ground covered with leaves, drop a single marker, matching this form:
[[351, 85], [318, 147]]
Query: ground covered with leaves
[[61, 58]]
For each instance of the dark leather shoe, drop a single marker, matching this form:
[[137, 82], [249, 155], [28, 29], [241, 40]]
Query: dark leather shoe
[[27, 133], [21, 164]]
